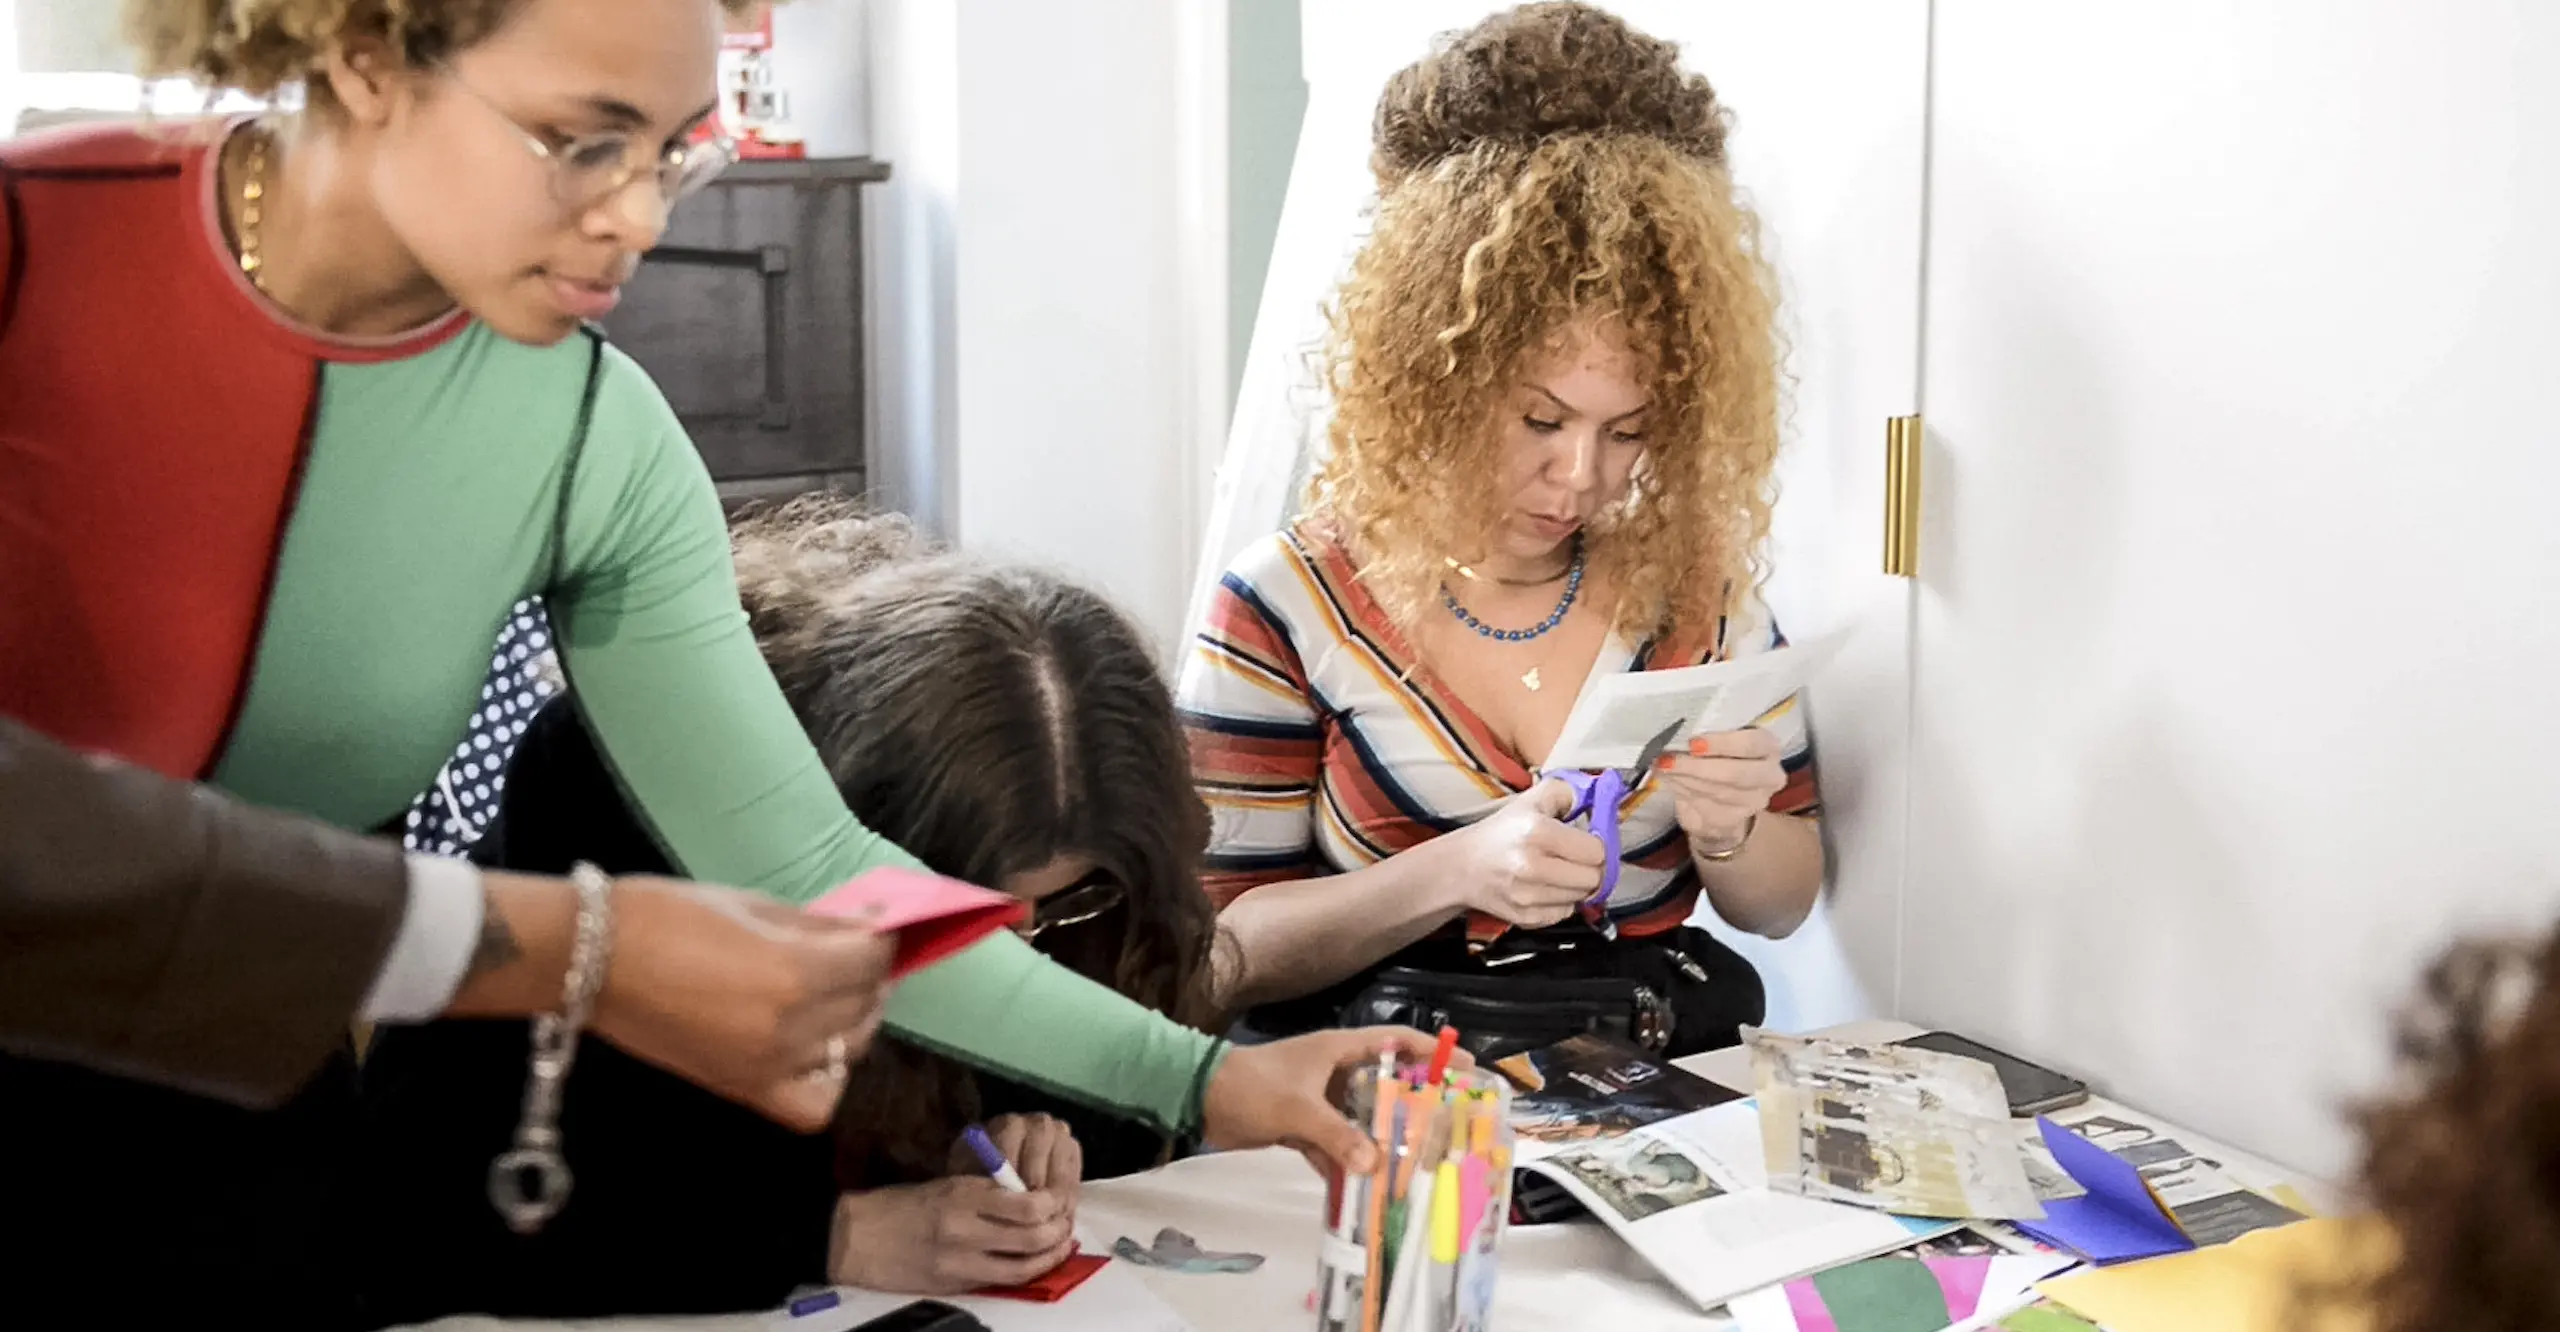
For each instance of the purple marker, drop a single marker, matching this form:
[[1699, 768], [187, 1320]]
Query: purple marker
[[998, 1169]]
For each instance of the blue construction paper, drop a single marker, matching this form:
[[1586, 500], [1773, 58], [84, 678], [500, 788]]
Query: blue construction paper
[[2119, 1221]]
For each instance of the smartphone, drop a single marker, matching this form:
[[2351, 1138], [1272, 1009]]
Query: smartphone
[[2033, 1089], [923, 1316]]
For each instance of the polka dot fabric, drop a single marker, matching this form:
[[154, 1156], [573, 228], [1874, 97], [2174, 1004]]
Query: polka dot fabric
[[524, 673]]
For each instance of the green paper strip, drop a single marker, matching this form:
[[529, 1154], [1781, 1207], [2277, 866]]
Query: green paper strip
[[2045, 1318], [1883, 1295]]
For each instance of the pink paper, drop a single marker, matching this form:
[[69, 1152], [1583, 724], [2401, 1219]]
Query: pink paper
[[1962, 1279], [1812, 1315], [1475, 1192]]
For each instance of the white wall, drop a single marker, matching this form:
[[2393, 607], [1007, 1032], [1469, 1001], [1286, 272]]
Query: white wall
[[820, 53], [2242, 585], [913, 112], [1051, 286]]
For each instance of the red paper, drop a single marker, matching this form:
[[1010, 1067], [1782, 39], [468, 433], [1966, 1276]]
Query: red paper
[[932, 916], [1052, 1287]]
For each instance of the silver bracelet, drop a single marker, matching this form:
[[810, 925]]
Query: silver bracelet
[[529, 1184]]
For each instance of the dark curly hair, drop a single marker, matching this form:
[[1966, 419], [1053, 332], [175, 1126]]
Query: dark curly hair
[[2463, 1166], [1548, 170], [988, 718], [1534, 72]]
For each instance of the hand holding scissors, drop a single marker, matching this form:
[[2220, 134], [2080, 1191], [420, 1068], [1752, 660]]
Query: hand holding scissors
[[1598, 796]]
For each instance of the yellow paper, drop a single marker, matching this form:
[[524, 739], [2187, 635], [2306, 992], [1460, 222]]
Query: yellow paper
[[2291, 1197], [2248, 1285]]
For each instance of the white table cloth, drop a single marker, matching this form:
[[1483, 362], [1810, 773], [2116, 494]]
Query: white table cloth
[[1572, 1275]]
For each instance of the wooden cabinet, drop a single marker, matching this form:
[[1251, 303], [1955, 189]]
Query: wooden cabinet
[[749, 316]]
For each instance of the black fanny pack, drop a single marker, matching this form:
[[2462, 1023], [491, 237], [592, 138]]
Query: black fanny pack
[[1671, 994]]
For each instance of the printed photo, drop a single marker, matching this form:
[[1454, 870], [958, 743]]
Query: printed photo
[[1638, 1177], [1586, 1088]]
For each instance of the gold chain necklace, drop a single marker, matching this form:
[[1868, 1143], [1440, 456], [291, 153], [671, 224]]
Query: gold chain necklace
[[253, 196]]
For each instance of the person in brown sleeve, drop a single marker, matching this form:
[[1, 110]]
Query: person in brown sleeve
[[154, 929]]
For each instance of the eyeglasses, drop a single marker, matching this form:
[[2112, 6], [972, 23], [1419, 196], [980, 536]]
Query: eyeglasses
[[1075, 906], [592, 168]]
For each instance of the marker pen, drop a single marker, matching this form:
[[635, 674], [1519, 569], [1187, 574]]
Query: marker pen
[[992, 1161]]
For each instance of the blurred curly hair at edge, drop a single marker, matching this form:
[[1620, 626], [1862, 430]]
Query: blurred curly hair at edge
[[1547, 169], [2463, 1167], [259, 46]]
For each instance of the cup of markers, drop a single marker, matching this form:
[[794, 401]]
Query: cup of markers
[[1410, 1246]]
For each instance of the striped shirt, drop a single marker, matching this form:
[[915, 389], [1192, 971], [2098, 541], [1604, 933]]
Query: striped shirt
[[1320, 749]]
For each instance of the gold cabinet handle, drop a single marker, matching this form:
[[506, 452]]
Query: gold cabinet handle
[[1902, 496]]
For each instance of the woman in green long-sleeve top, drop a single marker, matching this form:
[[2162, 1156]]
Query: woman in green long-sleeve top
[[319, 402]]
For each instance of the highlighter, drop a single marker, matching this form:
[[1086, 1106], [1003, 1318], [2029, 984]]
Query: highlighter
[[1444, 1214]]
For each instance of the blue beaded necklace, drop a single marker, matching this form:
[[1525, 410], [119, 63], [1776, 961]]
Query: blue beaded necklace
[[1572, 589]]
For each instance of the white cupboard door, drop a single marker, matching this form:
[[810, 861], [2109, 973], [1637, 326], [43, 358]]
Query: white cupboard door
[[2236, 639]]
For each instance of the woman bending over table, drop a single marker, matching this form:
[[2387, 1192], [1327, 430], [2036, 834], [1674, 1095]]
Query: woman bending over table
[[317, 403], [1008, 727], [1555, 392]]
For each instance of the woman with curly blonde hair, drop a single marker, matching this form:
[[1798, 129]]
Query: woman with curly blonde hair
[[298, 408], [1555, 388]]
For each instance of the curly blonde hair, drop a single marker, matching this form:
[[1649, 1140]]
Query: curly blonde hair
[[259, 46], [1549, 169]]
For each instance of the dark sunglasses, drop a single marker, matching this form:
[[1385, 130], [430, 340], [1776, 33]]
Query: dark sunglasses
[[1075, 906]]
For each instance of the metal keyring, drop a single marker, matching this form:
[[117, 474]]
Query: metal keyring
[[529, 1186]]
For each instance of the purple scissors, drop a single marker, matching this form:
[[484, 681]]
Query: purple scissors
[[1597, 796]]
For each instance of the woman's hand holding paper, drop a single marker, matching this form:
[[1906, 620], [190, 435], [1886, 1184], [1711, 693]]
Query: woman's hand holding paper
[[1721, 785]]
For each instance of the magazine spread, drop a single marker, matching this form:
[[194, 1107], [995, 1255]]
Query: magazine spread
[[1691, 1196]]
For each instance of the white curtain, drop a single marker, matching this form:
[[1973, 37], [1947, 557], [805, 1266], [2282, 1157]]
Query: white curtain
[[68, 36], [1350, 47]]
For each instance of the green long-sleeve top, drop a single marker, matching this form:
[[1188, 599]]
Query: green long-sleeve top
[[236, 549]]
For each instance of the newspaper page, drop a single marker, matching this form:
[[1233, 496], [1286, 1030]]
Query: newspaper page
[[1618, 714], [1691, 1195], [1902, 1130]]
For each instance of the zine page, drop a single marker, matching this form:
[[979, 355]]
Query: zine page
[[1619, 714], [1691, 1195], [1903, 1130]]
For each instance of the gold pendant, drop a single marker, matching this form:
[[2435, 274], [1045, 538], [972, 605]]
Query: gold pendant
[[1531, 679]]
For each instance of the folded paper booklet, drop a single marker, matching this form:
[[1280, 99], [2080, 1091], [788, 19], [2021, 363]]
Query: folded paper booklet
[[1904, 1130], [933, 917], [2146, 1193], [2208, 1200], [1621, 712], [1691, 1195]]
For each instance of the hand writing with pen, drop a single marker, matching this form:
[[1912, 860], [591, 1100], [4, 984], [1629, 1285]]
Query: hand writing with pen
[[977, 1226]]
